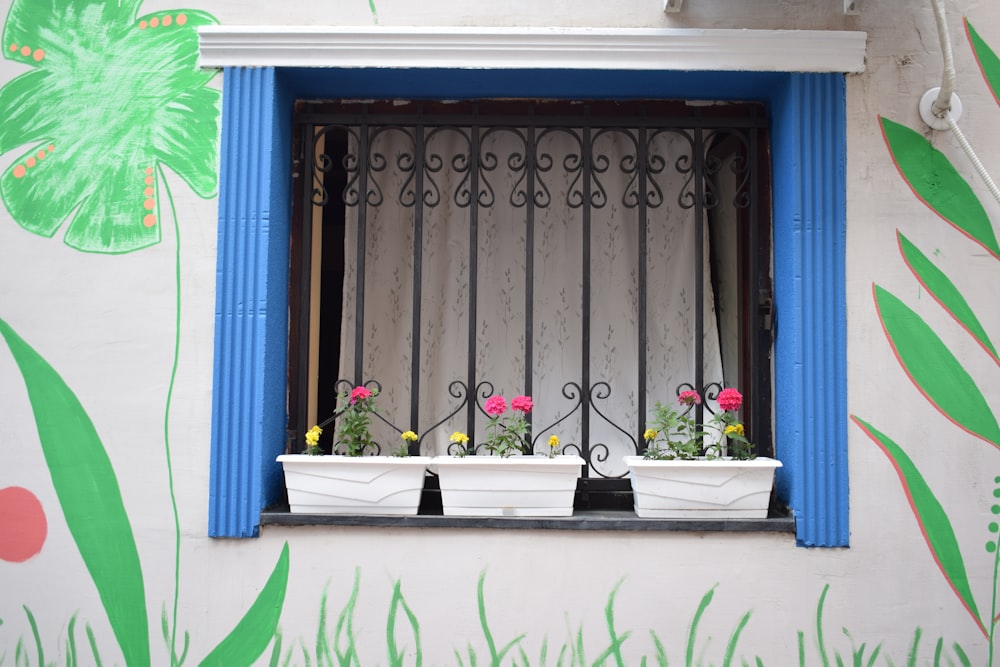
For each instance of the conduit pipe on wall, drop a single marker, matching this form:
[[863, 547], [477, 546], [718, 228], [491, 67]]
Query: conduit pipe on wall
[[942, 102], [940, 108]]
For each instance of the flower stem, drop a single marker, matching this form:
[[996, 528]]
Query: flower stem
[[166, 418]]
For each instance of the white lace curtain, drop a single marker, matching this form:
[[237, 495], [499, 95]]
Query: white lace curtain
[[557, 345]]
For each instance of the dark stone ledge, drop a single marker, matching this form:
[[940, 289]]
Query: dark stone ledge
[[582, 520]]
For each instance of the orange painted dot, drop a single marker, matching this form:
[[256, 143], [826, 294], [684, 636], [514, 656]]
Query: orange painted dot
[[167, 20], [182, 19], [142, 24], [13, 48], [149, 220], [149, 170], [20, 171], [31, 162], [25, 50], [153, 22], [149, 180], [149, 204], [41, 155], [52, 147], [148, 192], [38, 55]]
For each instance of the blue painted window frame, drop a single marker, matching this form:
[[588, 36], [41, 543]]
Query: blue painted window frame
[[808, 154]]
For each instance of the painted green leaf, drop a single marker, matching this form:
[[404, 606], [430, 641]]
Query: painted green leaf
[[931, 517], [989, 64], [89, 496], [944, 292], [935, 181], [934, 370], [254, 632]]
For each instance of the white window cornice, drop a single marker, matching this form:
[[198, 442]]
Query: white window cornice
[[533, 48]]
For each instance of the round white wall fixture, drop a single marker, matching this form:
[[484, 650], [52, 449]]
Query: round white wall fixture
[[932, 121]]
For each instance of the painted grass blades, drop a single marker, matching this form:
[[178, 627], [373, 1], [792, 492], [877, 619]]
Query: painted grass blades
[[911, 658], [89, 496], [661, 651], [617, 640], [397, 653], [989, 64], [496, 657], [37, 637], [693, 630], [248, 640], [344, 630], [734, 639], [820, 643], [935, 182], [933, 520], [945, 293], [275, 650], [933, 368]]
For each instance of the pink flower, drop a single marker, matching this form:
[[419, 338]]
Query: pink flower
[[730, 399], [359, 393], [522, 404], [495, 406], [689, 397]]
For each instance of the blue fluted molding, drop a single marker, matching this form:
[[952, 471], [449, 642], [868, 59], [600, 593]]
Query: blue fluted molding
[[248, 401]]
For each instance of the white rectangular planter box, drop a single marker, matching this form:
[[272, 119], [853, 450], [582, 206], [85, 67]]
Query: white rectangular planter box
[[354, 484], [701, 489], [513, 486]]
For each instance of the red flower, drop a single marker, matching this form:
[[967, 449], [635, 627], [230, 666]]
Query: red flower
[[730, 399], [359, 394], [495, 406], [522, 404], [689, 397]]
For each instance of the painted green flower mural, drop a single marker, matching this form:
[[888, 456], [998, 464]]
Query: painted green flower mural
[[110, 98]]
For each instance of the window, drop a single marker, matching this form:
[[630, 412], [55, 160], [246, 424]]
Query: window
[[808, 149], [598, 255]]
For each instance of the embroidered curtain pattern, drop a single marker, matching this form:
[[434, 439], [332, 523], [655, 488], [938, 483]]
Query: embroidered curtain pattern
[[531, 192]]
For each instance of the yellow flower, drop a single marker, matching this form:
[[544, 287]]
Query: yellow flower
[[650, 434], [458, 436], [553, 441], [734, 428], [312, 435], [409, 436]]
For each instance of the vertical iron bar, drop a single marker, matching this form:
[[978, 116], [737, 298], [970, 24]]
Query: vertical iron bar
[[473, 164], [418, 240], [753, 269], [529, 264], [698, 164], [359, 278], [586, 166], [643, 159]]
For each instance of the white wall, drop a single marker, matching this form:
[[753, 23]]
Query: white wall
[[107, 325]]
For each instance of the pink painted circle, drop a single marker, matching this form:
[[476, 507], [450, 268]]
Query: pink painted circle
[[22, 524]]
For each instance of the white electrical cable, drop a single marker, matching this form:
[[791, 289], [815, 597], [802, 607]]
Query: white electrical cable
[[971, 154], [941, 108], [942, 104]]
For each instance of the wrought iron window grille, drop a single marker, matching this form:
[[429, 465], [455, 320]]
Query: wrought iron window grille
[[341, 169]]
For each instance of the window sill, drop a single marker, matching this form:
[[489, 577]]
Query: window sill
[[614, 520]]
